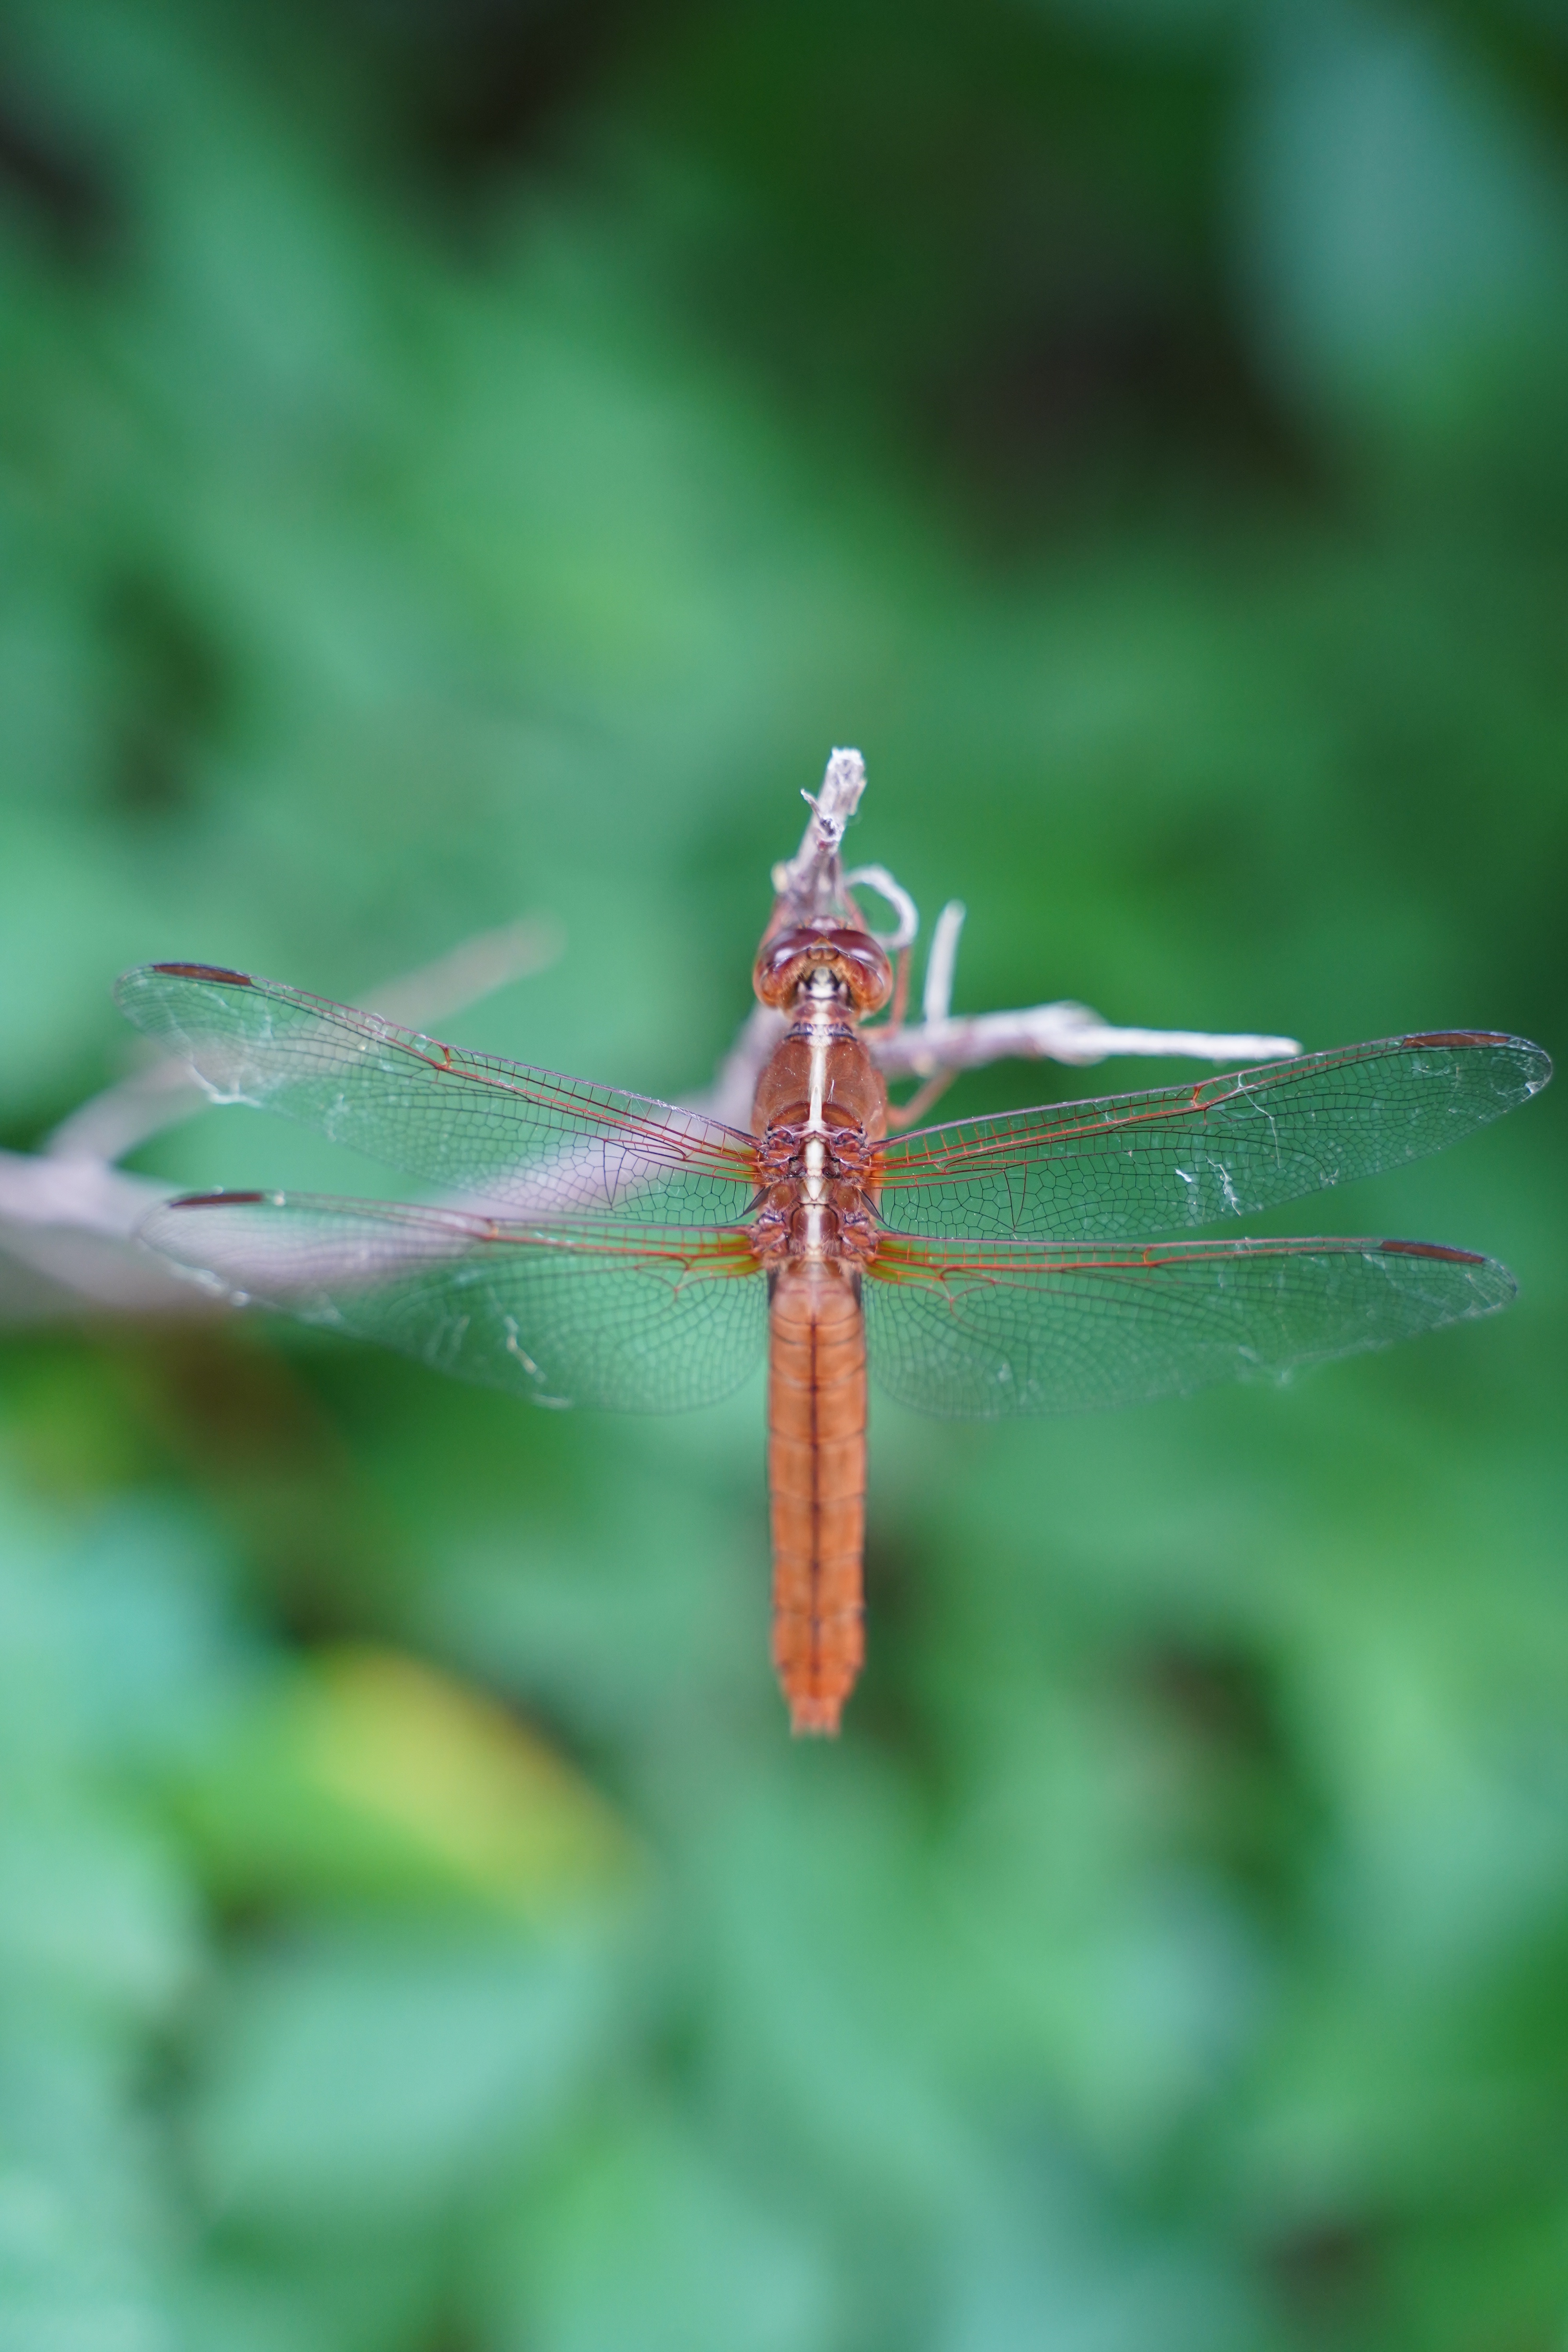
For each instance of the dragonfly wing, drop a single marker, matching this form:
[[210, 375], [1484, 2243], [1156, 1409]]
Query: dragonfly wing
[[581, 1313], [975, 1331], [1184, 1156], [522, 1141]]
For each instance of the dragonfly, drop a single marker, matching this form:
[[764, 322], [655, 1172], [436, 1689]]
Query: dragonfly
[[591, 1247]]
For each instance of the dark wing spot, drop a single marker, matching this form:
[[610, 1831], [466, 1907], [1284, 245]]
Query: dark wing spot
[[1460, 1037], [204, 972], [227, 1200], [1431, 1249]]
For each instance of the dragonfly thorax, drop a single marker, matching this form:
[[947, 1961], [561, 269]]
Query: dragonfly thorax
[[823, 1085], [821, 1110]]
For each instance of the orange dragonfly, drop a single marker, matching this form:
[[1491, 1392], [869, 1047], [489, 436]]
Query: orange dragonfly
[[597, 1247]]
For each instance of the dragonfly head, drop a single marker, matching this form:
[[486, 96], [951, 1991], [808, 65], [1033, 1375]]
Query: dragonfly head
[[852, 959]]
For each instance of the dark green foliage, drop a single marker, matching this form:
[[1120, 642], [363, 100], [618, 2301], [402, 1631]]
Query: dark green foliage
[[458, 459]]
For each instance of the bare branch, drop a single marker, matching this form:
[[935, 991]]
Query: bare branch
[[812, 886], [809, 886], [1055, 1033], [69, 1217], [936, 998], [66, 1246], [109, 1125], [1065, 1033], [473, 969], [877, 878], [38, 1190]]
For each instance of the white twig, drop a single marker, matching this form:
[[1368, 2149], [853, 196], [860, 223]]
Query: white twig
[[936, 997], [37, 1189], [802, 875], [877, 878], [69, 1217], [475, 968], [66, 1228], [1064, 1032], [1055, 1033], [109, 1125]]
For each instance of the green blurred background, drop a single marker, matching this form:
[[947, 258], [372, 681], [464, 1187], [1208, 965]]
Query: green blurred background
[[467, 457]]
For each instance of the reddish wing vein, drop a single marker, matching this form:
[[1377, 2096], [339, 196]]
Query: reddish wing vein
[[1191, 1155], [976, 1331], [578, 1312], [525, 1141], [624, 1276]]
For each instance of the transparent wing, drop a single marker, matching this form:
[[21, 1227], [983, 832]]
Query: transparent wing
[[582, 1313], [976, 1331], [520, 1140], [1181, 1156]]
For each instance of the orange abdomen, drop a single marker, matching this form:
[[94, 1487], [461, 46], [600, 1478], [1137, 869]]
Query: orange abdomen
[[816, 1478]]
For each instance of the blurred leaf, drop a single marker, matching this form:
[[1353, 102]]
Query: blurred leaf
[[456, 460], [361, 1774], [647, 2240], [363, 2076], [1409, 239]]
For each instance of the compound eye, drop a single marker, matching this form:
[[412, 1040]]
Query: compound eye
[[782, 963], [863, 965]]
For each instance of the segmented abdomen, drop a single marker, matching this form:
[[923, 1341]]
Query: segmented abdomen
[[816, 1478]]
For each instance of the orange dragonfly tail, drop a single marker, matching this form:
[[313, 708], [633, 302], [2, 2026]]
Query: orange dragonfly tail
[[817, 1476]]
